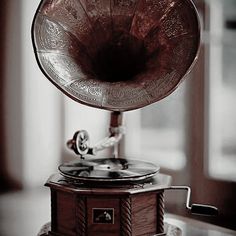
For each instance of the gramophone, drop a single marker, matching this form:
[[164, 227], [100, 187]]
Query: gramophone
[[117, 55]]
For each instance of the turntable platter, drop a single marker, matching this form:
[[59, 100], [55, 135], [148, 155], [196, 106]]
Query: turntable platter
[[108, 170]]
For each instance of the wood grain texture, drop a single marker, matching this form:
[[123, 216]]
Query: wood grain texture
[[103, 229], [65, 214], [144, 216], [134, 213]]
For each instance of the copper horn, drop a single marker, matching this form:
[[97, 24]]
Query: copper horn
[[117, 55]]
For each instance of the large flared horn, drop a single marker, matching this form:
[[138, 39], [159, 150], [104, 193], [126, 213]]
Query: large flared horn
[[117, 55]]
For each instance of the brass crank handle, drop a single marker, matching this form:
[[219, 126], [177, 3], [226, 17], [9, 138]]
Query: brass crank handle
[[198, 209]]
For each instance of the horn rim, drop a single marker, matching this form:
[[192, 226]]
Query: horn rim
[[128, 108]]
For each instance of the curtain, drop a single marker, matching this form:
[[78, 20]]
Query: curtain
[[4, 175]]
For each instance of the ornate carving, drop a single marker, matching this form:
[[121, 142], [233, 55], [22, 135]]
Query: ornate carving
[[89, 87], [72, 17], [160, 212], [161, 87], [126, 217], [173, 25], [81, 217], [61, 68], [71, 35], [120, 95], [142, 22], [52, 35], [68, 13], [90, 91]]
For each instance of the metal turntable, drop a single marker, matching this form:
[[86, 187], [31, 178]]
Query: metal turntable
[[108, 170], [117, 55]]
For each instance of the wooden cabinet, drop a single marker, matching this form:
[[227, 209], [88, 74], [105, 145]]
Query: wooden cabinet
[[118, 210]]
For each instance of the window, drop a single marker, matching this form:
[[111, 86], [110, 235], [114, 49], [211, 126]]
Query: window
[[160, 131], [220, 92]]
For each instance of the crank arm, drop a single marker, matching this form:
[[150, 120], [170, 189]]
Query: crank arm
[[198, 209]]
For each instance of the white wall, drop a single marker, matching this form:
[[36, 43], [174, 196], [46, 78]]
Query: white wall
[[32, 104], [39, 118], [13, 84]]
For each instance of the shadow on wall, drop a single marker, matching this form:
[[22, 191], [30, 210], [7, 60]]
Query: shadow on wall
[[6, 182]]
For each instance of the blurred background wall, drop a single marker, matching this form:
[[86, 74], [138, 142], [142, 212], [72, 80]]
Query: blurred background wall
[[37, 117]]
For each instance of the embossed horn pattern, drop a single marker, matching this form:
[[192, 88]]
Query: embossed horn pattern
[[117, 55]]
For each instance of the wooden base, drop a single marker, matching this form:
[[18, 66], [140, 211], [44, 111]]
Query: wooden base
[[123, 210], [170, 230]]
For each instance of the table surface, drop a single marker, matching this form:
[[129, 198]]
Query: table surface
[[19, 208], [192, 227]]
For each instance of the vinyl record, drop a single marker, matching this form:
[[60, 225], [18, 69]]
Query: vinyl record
[[108, 170]]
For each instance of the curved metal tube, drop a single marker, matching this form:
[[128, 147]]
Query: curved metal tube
[[107, 142], [80, 141]]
